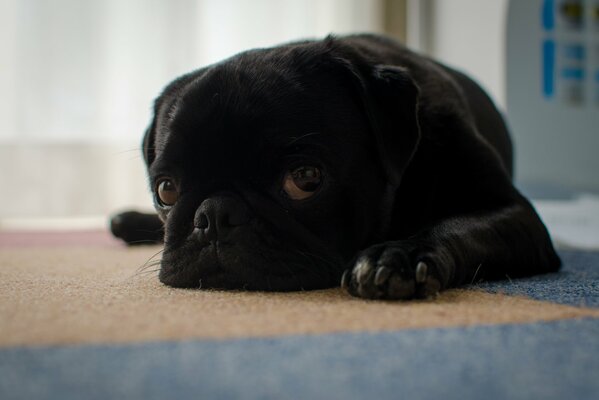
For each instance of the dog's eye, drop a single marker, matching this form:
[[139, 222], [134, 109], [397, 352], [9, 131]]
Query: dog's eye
[[167, 192], [302, 182]]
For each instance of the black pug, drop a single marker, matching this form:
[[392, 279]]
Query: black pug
[[349, 159]]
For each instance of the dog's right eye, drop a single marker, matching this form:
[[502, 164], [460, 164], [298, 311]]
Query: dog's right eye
[[301, 183], [166, 192]]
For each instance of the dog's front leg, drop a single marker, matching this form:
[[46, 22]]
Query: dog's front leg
[[507, 242]]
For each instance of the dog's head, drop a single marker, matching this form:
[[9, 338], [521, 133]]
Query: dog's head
[[273, 168]]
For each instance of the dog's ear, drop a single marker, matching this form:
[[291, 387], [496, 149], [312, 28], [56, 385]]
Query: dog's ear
[[148, 144], [390, 98]]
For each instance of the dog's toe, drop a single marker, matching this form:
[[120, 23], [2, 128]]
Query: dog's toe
[[429, 288], [382, 275], [345, 279], [400, 288], [421, 270], [363, 276]]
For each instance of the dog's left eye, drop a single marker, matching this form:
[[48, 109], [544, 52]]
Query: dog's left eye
[[301, 183], [167, 192]]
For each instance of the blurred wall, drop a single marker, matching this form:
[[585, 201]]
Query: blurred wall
[[470, 35]]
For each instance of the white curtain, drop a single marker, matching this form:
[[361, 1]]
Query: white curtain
[[78, 79]]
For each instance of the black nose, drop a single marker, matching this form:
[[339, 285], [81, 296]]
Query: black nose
[[218, 215]]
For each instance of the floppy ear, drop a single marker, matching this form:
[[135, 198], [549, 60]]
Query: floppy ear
[[148, 144], [390, 98]]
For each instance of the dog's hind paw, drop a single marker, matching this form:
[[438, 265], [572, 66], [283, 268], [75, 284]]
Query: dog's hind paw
[[388, 272]]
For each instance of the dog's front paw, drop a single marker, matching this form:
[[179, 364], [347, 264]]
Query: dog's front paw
[[392, 271]]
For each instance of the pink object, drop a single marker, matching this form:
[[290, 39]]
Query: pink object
[[21, 238]]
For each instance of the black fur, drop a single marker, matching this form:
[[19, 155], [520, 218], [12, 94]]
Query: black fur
[[416, 162]]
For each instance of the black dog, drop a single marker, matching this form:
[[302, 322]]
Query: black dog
[[350, 159]]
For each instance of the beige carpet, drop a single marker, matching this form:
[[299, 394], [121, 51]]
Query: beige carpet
[[98, 294]]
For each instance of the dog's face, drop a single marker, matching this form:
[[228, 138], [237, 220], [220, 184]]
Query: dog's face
[[273, 168]]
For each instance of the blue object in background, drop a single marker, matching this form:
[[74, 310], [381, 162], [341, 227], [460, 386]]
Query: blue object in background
[[576, 74], [548, 68], [552, 55], [548, 15]]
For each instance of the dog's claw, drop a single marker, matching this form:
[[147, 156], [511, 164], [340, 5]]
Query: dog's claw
[[421, 270], [345, 279], [363, 270], [381, 276]]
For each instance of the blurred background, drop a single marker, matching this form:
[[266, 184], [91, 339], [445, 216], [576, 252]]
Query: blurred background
[[78, 78]]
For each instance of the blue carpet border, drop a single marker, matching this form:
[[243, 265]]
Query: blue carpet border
[[548, 360], [576, 284]]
